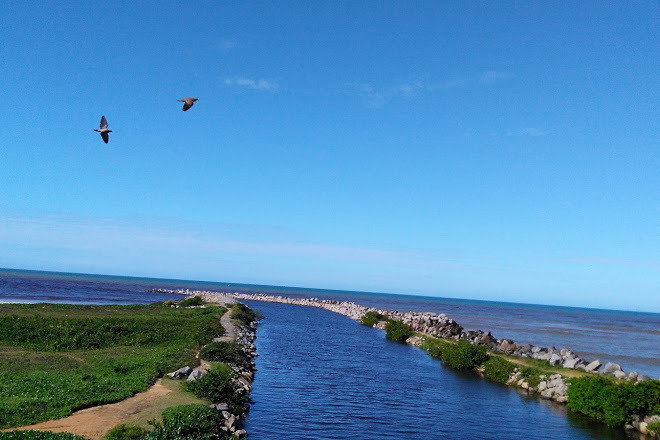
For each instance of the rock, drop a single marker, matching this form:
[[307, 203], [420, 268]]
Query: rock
[[610, 368], [181, 372], [220, 407], [542, 386], [196, 374], [619, 374], [240, 433], [642, 377], [555, 359], [632, 375], [571, 363], [230, 422], [593, 366]]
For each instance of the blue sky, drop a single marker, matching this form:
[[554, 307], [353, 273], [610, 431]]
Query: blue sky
[[462, 149]]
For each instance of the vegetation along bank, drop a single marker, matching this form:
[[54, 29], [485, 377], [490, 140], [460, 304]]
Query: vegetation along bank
[[59, 360]]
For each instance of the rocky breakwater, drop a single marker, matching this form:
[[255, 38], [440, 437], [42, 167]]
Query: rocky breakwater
[[439, 325]]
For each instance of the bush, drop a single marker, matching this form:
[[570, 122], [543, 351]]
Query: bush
[[244, 314], [532, 376], [38, 435], [217, 385], [125, 432], [463, 355], [498, 369], [611, 402], [191, 302], [194, 422], [372, 318], [653, 428], [398, 331], [433, 346], [228, 352]]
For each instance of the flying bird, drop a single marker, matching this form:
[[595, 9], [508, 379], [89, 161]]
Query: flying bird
[[103, 129], [187, 102]]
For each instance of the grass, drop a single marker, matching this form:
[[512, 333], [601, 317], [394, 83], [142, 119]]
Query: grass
[[38, 435], [56, 359], [244, 314]]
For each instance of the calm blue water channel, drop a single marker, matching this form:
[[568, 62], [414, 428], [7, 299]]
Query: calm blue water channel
[[323, 376]]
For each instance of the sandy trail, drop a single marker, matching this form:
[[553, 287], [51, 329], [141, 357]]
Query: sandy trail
[[94, 423]]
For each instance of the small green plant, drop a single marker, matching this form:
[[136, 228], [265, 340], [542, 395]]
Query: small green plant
[[372, 318], [433, 346], [38, 435], [244, 314], [498, 369], [217, 385], [532, 376], [191, 302], [194, 422], [463, 355], [228, 352], [125, 432], [398, 331], [653, 428], [613, 403]]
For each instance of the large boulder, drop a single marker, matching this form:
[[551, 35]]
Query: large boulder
[[180, 373], [593, 366], [555, 359], [610, 368], [195, 374]]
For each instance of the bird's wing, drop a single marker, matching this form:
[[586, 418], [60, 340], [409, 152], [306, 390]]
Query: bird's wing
[[105, 137], [187, 105], [181, 100], [104, 123]]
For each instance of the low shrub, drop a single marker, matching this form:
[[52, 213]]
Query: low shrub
[[191, 302], [38, 435], [653, 428], [532, 376], [463, 355], [613, 403], [125, 432], [498, 369], [398, 331], [217, 385], [244, 314], [228, 352], [433, 346], [372, 318], [194, 422]]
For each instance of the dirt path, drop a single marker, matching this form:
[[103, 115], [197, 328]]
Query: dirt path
[[230, 328], [94, 423]]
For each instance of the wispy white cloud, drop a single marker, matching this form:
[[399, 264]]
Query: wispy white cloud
[[226, 44], [377, 97], [254, 84], [485, 78], [534, 132]]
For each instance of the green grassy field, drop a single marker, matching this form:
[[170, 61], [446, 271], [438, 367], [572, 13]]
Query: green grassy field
[[56, 359]]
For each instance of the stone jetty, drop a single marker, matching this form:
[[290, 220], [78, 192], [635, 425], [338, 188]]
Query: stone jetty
[[438, 325]]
